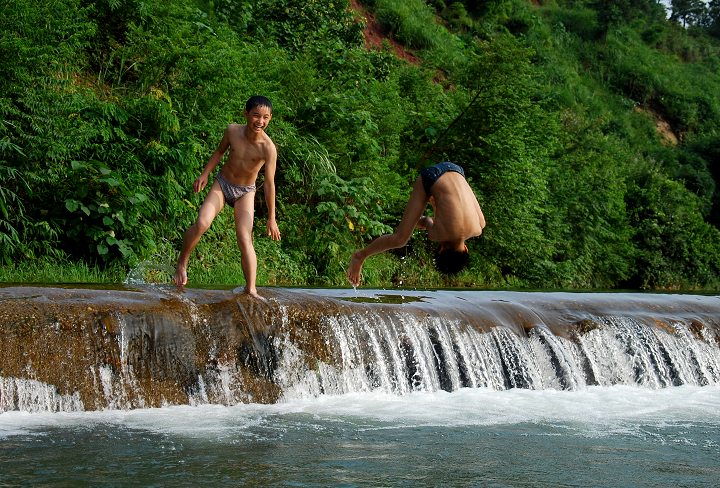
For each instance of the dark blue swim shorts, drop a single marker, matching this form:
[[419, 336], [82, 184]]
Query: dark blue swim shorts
[[430, 175]]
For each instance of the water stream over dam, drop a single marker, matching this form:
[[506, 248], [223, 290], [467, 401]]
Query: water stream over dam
[[78, 348]]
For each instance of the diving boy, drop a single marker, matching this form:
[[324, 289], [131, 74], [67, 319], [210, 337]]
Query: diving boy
[[456, 217], [250, 150]]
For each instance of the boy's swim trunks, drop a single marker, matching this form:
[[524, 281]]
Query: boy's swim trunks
[[232, 192], [431, 174]]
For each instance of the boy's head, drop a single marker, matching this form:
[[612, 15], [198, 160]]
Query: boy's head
[[257, 101], [451, 261], [258, 113]]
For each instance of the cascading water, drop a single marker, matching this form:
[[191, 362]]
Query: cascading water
[[403, 354], [69, 350]]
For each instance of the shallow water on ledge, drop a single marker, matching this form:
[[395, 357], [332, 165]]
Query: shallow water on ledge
[[599, 436]]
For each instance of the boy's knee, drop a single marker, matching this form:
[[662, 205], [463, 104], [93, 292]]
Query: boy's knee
[[245, 243], [202, 225]]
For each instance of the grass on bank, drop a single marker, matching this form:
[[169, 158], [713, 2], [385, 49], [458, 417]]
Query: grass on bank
[[384, 271], [45, 271]]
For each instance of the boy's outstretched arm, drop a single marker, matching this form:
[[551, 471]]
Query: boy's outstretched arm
[[413, 211], [378, 245]]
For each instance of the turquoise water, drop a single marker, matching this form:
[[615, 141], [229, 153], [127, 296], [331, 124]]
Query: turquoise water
[[598, 436]]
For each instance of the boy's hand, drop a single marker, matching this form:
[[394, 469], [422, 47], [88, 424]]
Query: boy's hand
[[355, 269], [200, 183], [272, 230]]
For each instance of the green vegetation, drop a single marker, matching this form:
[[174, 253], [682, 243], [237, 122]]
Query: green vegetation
[[590, 131]]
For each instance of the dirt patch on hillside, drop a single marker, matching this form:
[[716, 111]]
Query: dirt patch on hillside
[[374, 35], [662, 126]]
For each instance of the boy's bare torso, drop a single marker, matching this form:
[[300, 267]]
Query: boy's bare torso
[[248, 153], [457, 213]]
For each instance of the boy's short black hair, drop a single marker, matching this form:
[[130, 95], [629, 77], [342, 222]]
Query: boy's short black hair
[[451, 262], [257, 101]]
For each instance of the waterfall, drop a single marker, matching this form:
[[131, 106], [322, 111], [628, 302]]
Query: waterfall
[[84, 349], [402, 354]]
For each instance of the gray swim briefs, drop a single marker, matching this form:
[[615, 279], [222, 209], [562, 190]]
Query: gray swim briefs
[[431, 174], [233, 192]]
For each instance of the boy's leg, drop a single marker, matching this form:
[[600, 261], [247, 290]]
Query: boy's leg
[[244, 216], [212, 205]]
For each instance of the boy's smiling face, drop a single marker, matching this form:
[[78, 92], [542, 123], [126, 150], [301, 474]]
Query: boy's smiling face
[[258, 118]]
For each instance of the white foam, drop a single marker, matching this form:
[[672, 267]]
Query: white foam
[[594, 410]]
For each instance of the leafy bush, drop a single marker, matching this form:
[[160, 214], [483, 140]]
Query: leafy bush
[[678, 250], [341, 214], [589, 226], [106, 213]]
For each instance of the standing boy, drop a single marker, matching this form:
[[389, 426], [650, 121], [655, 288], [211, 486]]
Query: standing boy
[[457, 217], [234, 185]]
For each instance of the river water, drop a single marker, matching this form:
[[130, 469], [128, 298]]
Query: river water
[[596, 436], [315, 388]]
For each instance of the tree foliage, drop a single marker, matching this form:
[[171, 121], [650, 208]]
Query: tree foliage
[[587, 129]]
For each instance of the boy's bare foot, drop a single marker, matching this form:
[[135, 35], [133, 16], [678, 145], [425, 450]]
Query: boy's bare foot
[[180, 278], [253, 293]]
